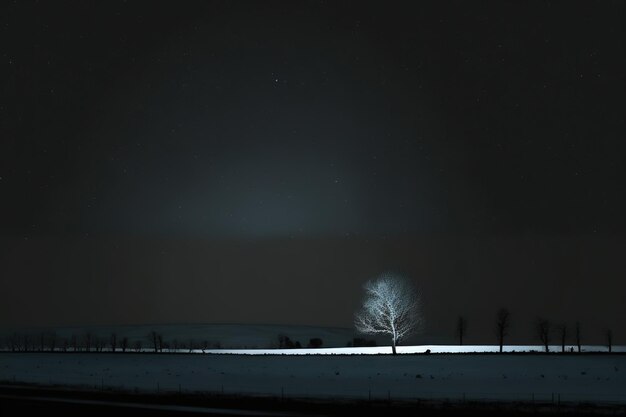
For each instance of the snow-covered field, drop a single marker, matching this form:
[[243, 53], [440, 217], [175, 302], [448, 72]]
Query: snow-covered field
[[411, 350], [586, 378]]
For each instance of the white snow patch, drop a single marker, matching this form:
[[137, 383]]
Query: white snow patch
[[409, 350]]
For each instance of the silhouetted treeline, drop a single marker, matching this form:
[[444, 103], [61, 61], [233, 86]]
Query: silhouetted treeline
[[567, 338]]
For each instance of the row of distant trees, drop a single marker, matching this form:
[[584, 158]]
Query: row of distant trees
[[392, 306], [502, 325], [544, 330], [153, 342], [284, 342], [88, 342]]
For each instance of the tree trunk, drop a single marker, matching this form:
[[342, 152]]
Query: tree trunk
[[393, 346]]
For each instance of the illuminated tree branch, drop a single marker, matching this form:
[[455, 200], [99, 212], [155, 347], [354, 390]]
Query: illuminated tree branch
[[391, 306]]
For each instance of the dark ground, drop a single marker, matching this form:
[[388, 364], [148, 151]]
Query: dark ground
[[33, 401]]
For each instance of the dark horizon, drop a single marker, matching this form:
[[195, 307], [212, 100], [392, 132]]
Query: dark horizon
[[258, 162]]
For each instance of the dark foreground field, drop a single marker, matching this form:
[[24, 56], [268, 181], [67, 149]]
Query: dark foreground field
[[548, 379], [33, 401]]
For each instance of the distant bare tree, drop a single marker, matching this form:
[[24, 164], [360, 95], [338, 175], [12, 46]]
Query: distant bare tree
[[99, 343], [503, 322], [315, 343], [392, 306], [74, 342], [577, 330], [609, 339], [543, 332], [155, 337], [14, 342], [562, 329], [124, 344], [42, 341], [113, 342], [461, 328], [88, 340], [138, 346], [161, 344], [52, 341], [284, 342]]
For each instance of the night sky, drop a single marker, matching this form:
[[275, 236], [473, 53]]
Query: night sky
[[256, 162]]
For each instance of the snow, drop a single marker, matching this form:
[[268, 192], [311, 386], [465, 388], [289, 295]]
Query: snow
[[572, 377], [409, 350]]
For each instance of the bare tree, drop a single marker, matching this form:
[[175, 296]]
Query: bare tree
[[138, 346], [609, 339], [161, 344], [124, 344], [503, 322], [113, 342], [14, 341], [74, 342], [52, 341], [577, 329], [392, 306], [562, 329], [157, 341], [88, 340], [99, 343], [461, 328], [543, 332]]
